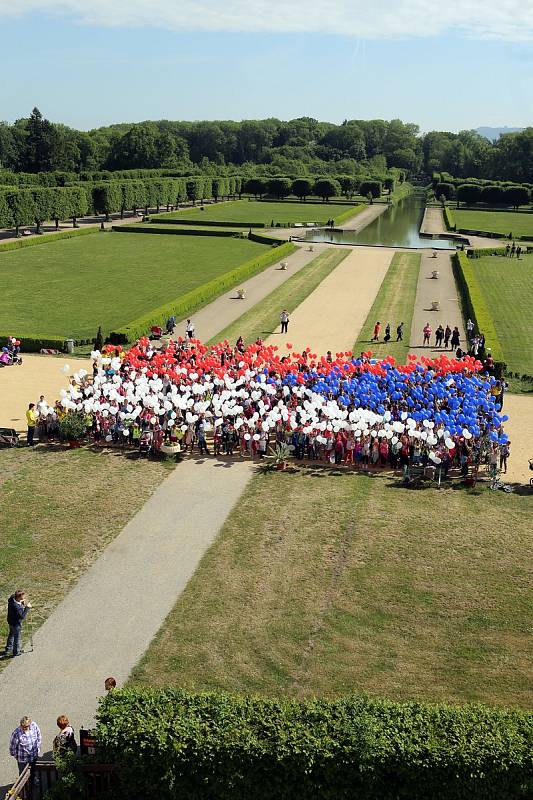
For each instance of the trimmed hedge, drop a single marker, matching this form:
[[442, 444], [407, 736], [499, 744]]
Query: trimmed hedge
[[15, 244], [168, 231], [449, 219], [263, 238], [210, 223], [34, 343], [175, 744], [196, 298], [349, 214], [474, 303]]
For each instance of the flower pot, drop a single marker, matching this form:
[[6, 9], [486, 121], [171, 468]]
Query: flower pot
[[73, 443], [281, 465]]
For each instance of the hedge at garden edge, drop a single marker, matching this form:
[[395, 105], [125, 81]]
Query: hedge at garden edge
[[182, 744]]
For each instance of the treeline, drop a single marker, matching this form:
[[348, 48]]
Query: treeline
[[472, 191], [267, 147], [37, 204]]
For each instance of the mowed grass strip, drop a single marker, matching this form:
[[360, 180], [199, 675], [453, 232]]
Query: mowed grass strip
[[394, 303], [328, 583], [504, 222], [70, 287], [507, 285], [58, 510], [263, 319], [264, 212]]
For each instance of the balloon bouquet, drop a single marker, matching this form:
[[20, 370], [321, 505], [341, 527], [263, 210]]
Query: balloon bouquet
[[436, 403]]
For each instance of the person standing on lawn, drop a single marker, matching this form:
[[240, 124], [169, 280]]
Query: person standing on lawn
[[399, 332], [25, 744], [17, 608], [377, 328]]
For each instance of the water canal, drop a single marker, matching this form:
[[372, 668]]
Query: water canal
[[399, 226]]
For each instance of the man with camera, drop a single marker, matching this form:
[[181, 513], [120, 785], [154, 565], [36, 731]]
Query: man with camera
[[17, 608]]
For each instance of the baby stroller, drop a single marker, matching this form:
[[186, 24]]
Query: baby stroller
[[8, 358], [145, 443], [8, 437], [531, 468]]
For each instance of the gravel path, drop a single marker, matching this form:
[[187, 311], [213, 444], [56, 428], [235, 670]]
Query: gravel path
[[333, 315], [107, 621], [444, 291]]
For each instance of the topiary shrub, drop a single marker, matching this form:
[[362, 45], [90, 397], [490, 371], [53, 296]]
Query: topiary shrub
[[72, 427]]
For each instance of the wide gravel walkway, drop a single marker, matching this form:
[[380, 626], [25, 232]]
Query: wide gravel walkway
[[444, 291], [107, 621], [331, 317]]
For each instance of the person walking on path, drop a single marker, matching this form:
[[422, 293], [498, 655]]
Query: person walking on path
[[17, 608], [31, 420], [284, 319], [25, 745], [377, 328], [427, 333], [455, 338], [399, 332], [189, 329], [447, 334]]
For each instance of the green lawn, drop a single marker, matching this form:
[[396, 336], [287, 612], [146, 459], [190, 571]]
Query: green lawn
[[255, 211], [323, 583], [507, 285], [59, 508], [394, 303], [263, 319], [70, 287], [519, 223]]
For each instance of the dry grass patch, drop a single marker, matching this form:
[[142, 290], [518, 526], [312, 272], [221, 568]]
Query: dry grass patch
[[58, 510], [332, 582]]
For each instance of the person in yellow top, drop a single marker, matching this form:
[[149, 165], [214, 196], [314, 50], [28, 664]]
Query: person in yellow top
[[31, 419]]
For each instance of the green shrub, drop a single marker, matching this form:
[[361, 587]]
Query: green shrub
[[185, 220], [72, 426], [35, 343], [15, 244], [169, 230], [449, 219], [474, 303], [175, 744], [196, 298], [353, 212]]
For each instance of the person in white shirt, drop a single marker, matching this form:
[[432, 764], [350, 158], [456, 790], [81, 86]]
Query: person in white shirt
[[469, 329], [284, 319], [189, 329]]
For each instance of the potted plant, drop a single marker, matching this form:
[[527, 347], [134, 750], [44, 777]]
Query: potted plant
[[280, 455], [72, 428]]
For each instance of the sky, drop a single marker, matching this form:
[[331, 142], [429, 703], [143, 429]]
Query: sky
[[449, 65]]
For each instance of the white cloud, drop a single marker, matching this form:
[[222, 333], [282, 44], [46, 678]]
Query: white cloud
[[510, 20]]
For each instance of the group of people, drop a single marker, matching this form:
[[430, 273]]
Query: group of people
[[25, 743], [248, 398], [387, 335], [512, 250], [10, 353], [444, 336]]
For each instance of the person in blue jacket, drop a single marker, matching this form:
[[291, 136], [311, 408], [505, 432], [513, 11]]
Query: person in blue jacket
[[17, 608]]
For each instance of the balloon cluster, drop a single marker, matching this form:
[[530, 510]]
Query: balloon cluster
[[437, 401]]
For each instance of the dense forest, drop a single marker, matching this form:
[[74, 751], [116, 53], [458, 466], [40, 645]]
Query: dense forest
[[301, 146]]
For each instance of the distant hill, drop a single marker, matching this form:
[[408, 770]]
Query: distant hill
[[495, 133]]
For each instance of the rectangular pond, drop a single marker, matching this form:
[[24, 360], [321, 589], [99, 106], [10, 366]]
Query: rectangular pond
[[398, 226]]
